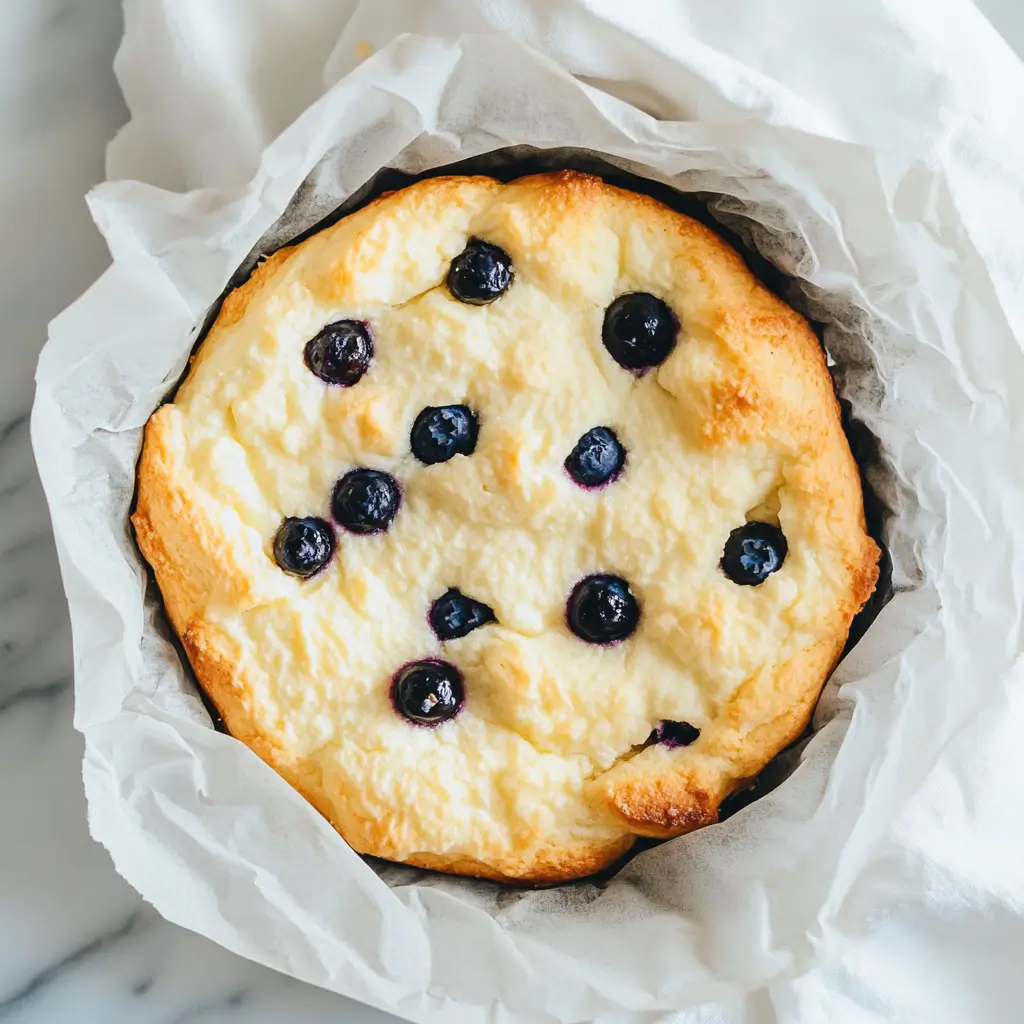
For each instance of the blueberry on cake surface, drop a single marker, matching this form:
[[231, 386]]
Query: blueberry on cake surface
[[340, 353], [366, 501], [639, 331], [753, 552], [439, 433], [602, 609], [303, 546], [480, 274], [427, 692], [596, 459], [454, 615], [508, 522]]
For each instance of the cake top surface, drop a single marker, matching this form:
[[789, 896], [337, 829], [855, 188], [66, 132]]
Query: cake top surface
[[508, 521]]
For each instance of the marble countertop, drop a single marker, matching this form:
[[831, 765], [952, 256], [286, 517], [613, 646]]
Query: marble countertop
[[77, 944]]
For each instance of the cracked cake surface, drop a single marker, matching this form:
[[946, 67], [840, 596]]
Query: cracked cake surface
[[508, 523]]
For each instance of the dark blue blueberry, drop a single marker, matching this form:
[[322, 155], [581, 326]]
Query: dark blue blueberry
[[602, 609], [639, 331], [753, 552], [597, 458], [454, 614], [675, 734], [480, 273], [303, 547], [441, 432], [365, 501], [428, 692], [341, 352]]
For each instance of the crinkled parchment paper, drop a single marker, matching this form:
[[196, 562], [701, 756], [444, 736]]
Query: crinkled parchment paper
[[923, 353]]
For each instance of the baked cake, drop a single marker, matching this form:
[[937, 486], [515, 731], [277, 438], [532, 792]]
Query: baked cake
[[508, 523]]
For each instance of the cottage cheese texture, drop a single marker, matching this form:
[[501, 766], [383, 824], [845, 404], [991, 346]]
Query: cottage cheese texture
[[544, 775]]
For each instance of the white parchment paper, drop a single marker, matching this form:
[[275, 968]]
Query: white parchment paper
[[924, 353]]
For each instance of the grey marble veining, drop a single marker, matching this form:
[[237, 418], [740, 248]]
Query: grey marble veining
[[77, 945]]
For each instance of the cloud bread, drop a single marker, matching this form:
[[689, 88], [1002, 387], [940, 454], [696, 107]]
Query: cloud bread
[[384, 528]]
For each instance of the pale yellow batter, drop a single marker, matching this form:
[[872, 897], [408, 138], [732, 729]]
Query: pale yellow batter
[[542, 775]]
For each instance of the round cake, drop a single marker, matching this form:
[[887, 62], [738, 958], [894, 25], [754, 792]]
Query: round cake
[[508, 523]]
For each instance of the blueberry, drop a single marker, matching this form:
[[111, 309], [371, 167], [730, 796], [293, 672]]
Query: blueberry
[[597, 458], [480, 273], [602, 609], [675, 734], [341, 352], [753, 552], [365, 501], [639, 331], [441, 432], [303, 547], [428, 692], [454, 614]]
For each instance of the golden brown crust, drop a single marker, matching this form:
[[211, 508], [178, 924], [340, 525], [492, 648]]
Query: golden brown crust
[[747, 387], [687, 790], [549, 868]]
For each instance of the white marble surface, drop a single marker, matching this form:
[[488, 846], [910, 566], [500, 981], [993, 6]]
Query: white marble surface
[[77, 945]]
